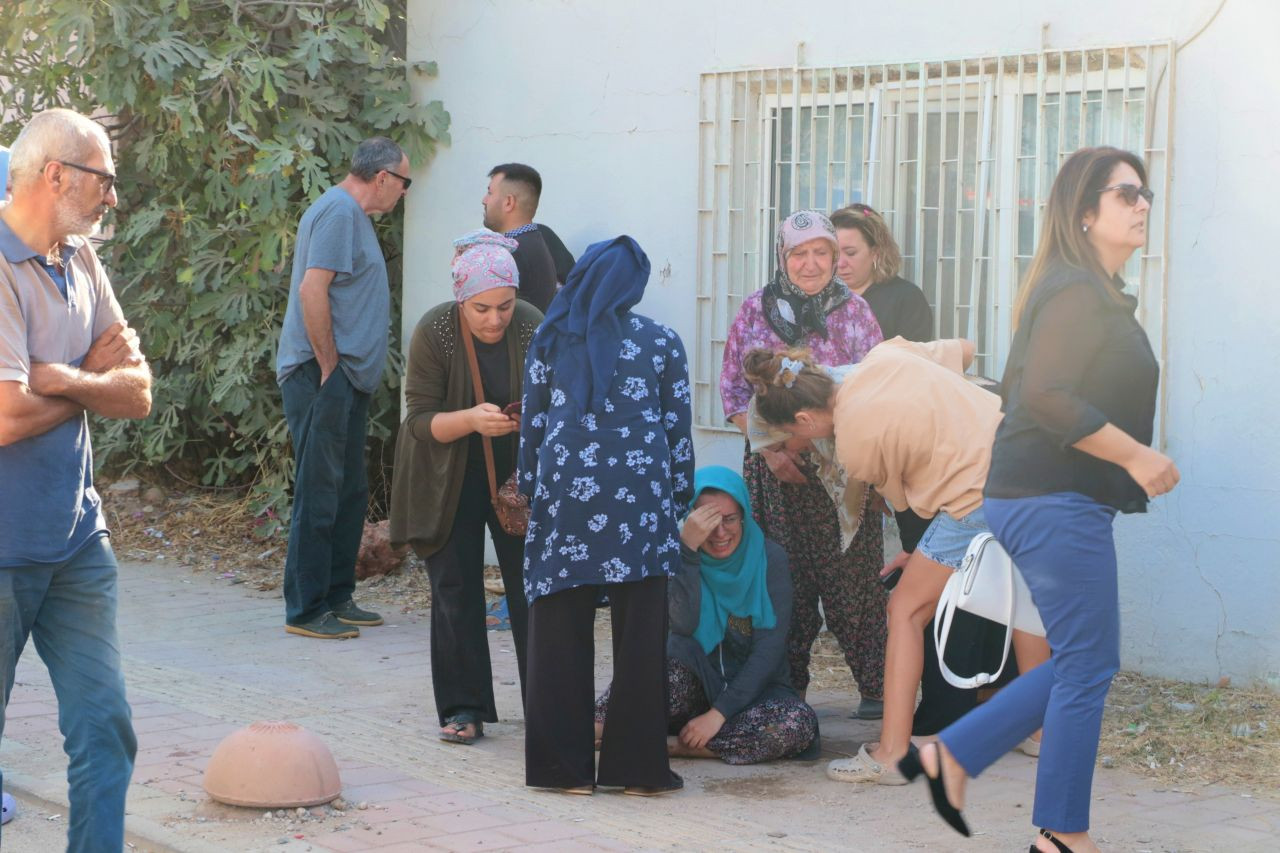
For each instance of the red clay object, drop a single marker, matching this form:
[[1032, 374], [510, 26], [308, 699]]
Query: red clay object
[[272, 764]]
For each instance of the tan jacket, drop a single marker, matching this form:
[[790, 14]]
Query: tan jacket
[[910, 424]]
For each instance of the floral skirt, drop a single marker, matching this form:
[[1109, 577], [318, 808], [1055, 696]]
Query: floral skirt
[[764, 731]]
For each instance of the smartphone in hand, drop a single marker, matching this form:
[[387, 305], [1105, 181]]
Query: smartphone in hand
[[511, 409]]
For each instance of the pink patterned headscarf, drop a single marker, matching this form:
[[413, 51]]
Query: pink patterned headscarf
[[482, 262], [801, 227]]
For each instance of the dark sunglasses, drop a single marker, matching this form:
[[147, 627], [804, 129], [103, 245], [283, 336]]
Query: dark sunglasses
[[406, 181], [1131, 193], [108, 179]]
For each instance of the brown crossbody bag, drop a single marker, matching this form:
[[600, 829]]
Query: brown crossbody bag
[[511, 507]]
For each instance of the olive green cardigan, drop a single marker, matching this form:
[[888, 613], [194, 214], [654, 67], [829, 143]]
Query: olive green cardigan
[[428, 474]]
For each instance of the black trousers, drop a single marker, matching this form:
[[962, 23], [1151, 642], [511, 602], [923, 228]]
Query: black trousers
[[559, 709], [973, 644], [461, 673]]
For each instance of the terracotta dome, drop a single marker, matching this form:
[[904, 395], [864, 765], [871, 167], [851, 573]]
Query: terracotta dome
[[272, 764]]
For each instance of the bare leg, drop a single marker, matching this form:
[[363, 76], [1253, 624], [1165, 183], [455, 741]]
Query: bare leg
[[911, 606]]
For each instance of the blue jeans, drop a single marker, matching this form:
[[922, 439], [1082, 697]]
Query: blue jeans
[[1063, 545], [69, 609], [947, 538], [330, 490]]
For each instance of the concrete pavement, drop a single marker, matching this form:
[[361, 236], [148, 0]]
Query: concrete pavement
[[204, 657]]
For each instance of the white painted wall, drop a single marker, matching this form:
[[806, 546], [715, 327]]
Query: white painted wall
[[601, 98]]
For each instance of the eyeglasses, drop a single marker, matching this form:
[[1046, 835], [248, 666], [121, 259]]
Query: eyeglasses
[[1131, 193], [107, 181], [406, 181], [731, 521]]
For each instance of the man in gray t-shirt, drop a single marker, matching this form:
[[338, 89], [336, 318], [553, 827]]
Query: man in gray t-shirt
[[332, 350]]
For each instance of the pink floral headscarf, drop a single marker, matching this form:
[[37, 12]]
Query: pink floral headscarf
[[483, 261]]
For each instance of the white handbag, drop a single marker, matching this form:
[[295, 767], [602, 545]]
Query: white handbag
[[987, 585]]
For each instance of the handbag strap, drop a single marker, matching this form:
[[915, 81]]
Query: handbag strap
[[944, 615], [477, 386]]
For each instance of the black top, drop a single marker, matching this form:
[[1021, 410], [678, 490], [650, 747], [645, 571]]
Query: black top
[[901, 309], [1079, 361], [495, 375], [537, 270], [560, 253]]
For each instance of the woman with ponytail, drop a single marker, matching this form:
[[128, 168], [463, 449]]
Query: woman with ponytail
[[906, 422]]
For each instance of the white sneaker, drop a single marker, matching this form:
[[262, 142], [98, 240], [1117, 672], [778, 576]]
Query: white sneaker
[[1029, 747], [863, 768]]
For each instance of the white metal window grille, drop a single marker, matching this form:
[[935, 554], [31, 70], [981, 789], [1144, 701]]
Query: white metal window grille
[[958, 155]]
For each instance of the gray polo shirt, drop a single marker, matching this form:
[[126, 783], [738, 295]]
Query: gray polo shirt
[[336, 234], [48, 506]]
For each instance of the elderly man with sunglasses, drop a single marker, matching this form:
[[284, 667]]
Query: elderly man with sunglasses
[[332, 350], [65, 350]]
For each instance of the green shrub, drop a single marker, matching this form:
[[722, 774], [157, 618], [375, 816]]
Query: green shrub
[[228, 118]]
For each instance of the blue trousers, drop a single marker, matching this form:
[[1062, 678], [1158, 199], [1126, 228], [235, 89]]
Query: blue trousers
[[330, 490], [1063, 545], [69, 609]]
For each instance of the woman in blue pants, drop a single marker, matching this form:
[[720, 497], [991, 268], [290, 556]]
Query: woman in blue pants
[[1073, 450]]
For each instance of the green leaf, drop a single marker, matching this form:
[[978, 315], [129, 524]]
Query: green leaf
[[226, 130]]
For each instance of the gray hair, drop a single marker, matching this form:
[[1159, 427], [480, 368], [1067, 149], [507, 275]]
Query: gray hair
[[373, 155], [56, 134]]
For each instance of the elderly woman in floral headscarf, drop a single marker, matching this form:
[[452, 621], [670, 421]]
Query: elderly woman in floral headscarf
[[440, 501], [807, 305]]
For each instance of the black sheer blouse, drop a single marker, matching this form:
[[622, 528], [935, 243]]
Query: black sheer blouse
[[1079, 360], [900, 309]]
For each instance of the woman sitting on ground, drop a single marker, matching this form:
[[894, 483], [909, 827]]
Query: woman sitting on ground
[[907, 422], [729, 693]]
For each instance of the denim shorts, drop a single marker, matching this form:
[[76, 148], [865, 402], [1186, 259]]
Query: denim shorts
[[947, 539]]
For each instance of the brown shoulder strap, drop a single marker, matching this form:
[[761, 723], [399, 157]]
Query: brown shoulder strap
[[478, 387]]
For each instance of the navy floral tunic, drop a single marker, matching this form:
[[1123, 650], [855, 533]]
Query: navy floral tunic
[[607, 490]]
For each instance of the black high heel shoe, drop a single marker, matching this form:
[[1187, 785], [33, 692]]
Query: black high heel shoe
[[911, 767], [1044, 833]]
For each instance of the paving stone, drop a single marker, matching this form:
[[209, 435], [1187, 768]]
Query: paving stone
[[370, 700]]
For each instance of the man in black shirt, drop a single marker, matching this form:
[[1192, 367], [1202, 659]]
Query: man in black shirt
[[560, 253], [509, 207]]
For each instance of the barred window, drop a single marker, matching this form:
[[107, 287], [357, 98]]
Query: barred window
[[958, 155]]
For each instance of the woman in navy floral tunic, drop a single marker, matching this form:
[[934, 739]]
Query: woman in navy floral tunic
[[606, 456]]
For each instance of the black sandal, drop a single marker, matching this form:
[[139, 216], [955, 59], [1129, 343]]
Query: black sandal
[[1044, 833], [911, 767], [458, 722]]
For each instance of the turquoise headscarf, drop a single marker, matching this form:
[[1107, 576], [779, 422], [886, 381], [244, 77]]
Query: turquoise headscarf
[[736, 585]]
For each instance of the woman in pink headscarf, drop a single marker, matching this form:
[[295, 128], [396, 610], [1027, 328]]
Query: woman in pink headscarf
[[440, 501]]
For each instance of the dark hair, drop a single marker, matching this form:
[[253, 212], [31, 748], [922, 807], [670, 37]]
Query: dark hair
[[888, 257], [374, 155], [527, 177], [1062, 238], [782, 392]]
